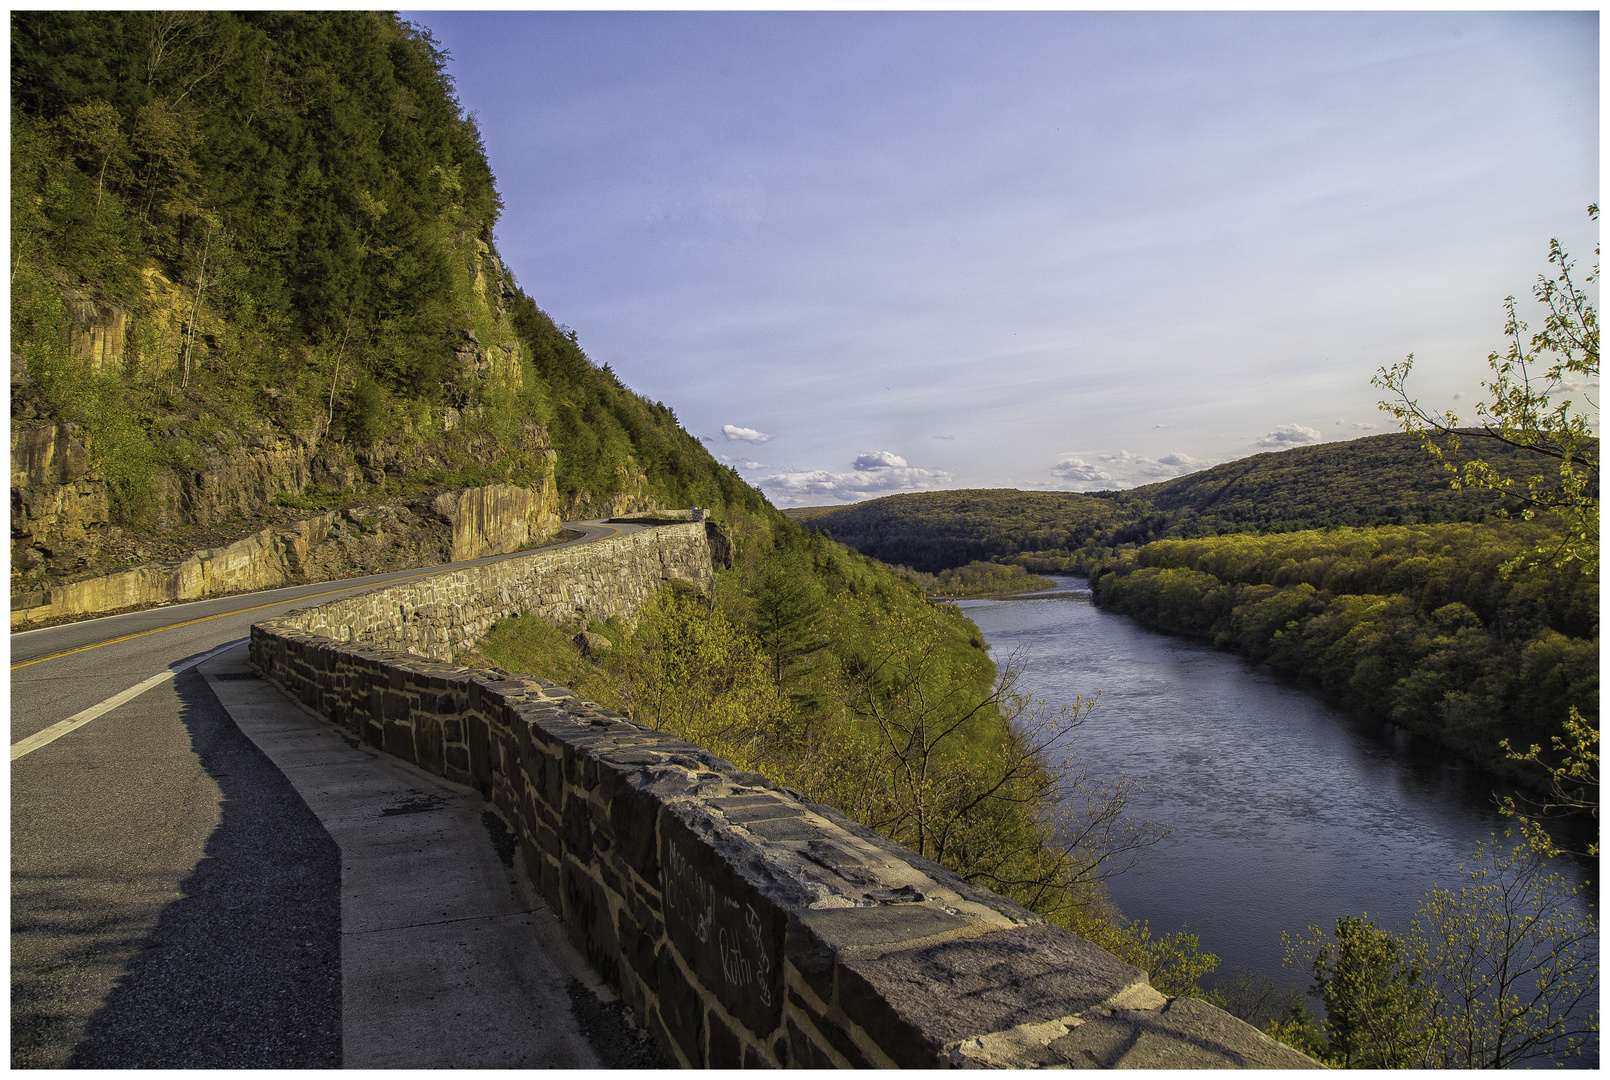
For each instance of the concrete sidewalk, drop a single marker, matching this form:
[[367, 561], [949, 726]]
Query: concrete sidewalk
[[446, 962]]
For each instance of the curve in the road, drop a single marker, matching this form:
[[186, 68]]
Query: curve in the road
[[349, 585], [147, 849]]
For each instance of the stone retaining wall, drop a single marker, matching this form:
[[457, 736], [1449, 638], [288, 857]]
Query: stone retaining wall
[[448, 613], [744, 925]]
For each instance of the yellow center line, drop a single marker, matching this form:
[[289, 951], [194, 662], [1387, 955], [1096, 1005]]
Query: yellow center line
[[238, 611]]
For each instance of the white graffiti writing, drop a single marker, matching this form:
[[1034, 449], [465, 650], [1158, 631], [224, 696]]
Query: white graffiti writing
[[689, 895], [740, 940], [741, 969]]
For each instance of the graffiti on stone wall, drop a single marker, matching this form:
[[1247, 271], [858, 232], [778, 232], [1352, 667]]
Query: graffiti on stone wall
[[739, 936], [689, 895]]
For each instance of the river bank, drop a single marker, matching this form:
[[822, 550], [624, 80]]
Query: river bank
[[1286, 812]]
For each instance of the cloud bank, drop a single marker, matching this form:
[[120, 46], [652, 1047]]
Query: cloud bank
[[1122, 470], [878, 472]]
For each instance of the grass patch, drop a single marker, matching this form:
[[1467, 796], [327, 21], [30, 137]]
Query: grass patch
[[526, 645]]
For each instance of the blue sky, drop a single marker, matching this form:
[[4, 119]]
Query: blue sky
[[861, 253]]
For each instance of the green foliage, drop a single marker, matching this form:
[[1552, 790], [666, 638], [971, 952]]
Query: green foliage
[[1419, 624], [987, 579], [1380, 480], [1498, 972], [1572, 788], [317, 140], [291, 206], [1373, 481], [935, 530], [827, 672], [787, 606], [1528, 415], [1377, 1004], [366, 412], [1557, 476], [120, 446]]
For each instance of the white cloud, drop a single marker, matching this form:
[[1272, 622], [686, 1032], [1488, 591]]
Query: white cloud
[[1079, 471], [1183, 463], [879, 459], [744, 434], [1288, 435], [876, 473]]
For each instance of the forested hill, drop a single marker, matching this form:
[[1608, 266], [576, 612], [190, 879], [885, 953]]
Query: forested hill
[[1381, 480], [253, 250], [937, 530]]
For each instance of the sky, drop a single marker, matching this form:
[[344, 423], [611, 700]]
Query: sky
[[861, 253]]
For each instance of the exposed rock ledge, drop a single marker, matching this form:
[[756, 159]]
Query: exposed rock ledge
[[368, 537]]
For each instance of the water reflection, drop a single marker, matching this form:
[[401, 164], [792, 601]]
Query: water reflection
[[1286, 812]]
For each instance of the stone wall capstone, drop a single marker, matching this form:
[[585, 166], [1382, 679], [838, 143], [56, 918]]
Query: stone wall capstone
[[743, 924]]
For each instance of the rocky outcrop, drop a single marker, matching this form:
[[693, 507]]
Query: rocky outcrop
[[367, 537], [58, 505], [98, 328], [494, 519], [634, 497], [233, 503]]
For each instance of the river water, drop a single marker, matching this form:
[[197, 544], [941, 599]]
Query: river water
[[1286, 812]]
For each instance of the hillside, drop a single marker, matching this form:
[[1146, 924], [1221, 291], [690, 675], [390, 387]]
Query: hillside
[[253, 277], [1384, 479], [937, 530], [1376, 480]]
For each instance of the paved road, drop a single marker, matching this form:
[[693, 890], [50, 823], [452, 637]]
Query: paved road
[[177, 900]]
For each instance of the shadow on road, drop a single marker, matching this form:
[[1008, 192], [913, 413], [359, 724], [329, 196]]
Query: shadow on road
[[245, 970]]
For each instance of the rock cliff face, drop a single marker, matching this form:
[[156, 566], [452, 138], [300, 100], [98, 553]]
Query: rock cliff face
[[58, 506], [367, 537], [224, 515], [62, 532], [633, 498], [495, 519]]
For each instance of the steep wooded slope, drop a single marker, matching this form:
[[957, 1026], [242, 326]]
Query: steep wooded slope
[[253, 274]]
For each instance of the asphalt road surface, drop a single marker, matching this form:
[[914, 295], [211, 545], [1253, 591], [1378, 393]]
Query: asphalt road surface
[[175, 902]]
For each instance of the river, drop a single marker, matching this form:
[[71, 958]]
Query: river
[[1286, 812]]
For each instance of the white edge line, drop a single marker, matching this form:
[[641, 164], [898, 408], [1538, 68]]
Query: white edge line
[[78, 720]]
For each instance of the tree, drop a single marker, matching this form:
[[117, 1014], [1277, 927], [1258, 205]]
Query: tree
[[1526, 409], [1514, 956], [95, 130], [787, 603], [1377, 1003], [689, 671], [1500, 971], [1573, 784]]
